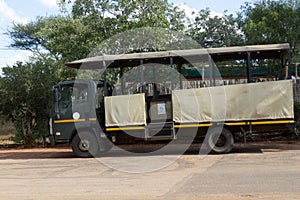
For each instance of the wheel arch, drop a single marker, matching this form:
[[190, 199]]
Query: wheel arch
[[83, 129]]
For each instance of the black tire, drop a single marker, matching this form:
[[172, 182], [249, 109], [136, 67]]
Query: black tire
[[85, 145], [219, 140]]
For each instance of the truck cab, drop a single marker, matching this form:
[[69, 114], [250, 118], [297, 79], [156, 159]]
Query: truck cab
[[77, 116]]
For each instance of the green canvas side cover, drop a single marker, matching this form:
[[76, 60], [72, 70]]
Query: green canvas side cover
[[125, 110], [255, 101]]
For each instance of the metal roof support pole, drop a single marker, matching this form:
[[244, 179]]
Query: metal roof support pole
[[214, 72], [154, 74], [211, 72], [122, 80], [289, 63], [105, 78], [180, 75], [249, 67], [296, 70], [172, 72], [142, 75]]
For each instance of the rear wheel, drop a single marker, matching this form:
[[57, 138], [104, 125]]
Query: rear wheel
[[219, 140], [85, 145]]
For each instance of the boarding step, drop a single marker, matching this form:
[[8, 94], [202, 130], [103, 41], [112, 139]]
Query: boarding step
[[160, 131]]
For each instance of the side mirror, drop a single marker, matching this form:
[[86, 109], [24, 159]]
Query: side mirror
[[55, 94], [55, 100]]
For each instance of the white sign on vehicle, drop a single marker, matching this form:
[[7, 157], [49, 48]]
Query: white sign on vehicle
[[161, 109]]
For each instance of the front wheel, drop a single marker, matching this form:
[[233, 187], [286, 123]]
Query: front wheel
[[219, 140], [85, 145]]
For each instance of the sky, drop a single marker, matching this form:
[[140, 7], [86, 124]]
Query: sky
[[24, 11]]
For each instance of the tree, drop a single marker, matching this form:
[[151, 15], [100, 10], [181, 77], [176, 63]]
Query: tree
[[28, 36], [26, 97], [115, 16], [215, 31], [73, 36], [2, 97], [266, 21], [26, 87], [61, 37]]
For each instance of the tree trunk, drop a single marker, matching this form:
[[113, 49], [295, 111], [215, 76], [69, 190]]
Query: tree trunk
[[27, 130], [28, 135]]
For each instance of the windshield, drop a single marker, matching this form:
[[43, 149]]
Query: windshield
[[70, 96]]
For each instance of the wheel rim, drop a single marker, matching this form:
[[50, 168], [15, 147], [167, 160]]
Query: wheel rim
[[219, 141], [84, 145]]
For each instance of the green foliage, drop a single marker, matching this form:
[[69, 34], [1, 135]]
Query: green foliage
[[28, 36], [114, 16], [75, 35], [27, 97], [297, 114], [62, 37], [215, 31], [297, 110], [266, 22], [146, 39], [26, 87]]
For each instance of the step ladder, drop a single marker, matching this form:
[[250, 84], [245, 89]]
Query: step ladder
[[160, 131]]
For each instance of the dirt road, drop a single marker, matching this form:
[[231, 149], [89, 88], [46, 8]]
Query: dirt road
[[254, 171]]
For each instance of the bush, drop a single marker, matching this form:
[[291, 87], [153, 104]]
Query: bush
[[297, 114]]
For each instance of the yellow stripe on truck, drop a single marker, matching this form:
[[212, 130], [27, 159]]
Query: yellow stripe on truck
[[237, 123], [68, 121], [273, 122], [192, 125], [72, 120], [181, 125], [126, 129]]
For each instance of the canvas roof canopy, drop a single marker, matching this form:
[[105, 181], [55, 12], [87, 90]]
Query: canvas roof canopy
[[270, 51]]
